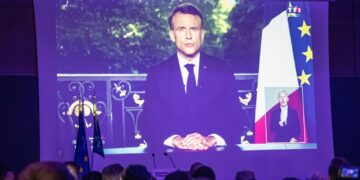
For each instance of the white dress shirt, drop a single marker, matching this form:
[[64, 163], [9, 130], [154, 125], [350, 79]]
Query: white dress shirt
[[283, 115]]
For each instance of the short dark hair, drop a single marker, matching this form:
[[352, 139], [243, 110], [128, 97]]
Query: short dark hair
[[92, 175], [245, 175], [135, 171], [112, 171], [46, 170], [335, 165], [194, 167], [186, 8], [3, 170], [178, 175], [204, 171]]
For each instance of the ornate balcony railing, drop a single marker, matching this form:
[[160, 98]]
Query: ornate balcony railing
[[119, 101]]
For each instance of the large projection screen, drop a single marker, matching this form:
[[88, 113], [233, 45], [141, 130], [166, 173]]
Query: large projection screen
[[107, 47]]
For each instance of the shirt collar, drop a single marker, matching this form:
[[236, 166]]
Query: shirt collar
[[284, 108], [183, 61]]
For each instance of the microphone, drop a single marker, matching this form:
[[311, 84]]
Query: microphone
[[153, 156], [172, 162]]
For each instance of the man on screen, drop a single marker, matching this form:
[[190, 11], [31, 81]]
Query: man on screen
[[284, 121], [190, 98]]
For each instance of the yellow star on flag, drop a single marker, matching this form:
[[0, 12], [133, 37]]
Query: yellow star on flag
[[305, 29], [308, 54], [304, 78]]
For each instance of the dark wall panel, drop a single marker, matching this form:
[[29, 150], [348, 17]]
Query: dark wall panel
[[345, 106], [357, 8], [357, 43], [344, 38], [17, 40], [19, 130], [16, 3], [341, 47], [341, 8]]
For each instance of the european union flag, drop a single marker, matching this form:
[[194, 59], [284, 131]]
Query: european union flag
[[81, 151], [300, 28], [97, 142]]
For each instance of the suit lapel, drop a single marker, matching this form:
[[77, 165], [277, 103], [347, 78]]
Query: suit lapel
[[204, 80], [203, 73], [175, 76]]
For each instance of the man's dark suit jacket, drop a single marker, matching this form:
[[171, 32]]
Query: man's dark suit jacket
[[288, 131], [168, 110]]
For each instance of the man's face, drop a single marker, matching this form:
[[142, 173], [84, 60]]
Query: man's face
[[187, 34], [283, 99]]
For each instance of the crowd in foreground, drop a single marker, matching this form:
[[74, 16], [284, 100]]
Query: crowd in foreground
[[50, 170]]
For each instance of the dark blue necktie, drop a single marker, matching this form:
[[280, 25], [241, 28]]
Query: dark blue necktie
[[190, 83]]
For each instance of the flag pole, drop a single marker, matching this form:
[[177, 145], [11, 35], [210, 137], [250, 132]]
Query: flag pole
[[97, 145], [92, 150]]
